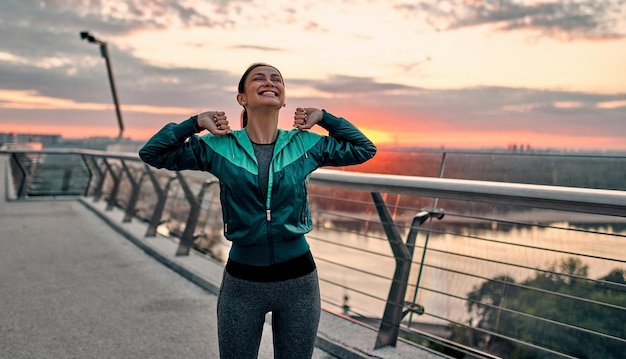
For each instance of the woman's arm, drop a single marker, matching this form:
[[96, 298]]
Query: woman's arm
[[176, 147], [345, 145]]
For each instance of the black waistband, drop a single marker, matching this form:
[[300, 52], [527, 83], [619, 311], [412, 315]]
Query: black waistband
[[293, 268]]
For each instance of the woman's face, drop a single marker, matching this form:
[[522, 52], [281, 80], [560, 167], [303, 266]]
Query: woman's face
[[264, 87]]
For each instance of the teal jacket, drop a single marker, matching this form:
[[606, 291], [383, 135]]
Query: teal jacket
[[270, 230]]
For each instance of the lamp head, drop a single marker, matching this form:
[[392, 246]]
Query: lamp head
[[85, 35]]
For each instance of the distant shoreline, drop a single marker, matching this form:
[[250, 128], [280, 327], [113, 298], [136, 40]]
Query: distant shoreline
[[523, 217]]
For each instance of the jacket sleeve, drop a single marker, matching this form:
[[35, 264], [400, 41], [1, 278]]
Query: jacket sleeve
[[176, 147], [345, 145]]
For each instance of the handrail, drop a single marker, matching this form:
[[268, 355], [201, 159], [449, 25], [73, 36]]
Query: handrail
[[584, 200]]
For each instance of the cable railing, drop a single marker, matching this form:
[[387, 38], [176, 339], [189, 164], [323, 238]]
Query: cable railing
[[474, 269]]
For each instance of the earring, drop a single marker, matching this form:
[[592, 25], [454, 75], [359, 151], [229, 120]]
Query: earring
[[284, 105]]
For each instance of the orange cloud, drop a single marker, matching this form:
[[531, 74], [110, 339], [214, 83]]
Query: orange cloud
[[31, 100]]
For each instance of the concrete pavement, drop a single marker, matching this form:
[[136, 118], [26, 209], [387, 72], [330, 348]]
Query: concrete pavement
[[74, 288]]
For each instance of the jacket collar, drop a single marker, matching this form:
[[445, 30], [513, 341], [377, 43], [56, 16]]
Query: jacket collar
[[283, 138]]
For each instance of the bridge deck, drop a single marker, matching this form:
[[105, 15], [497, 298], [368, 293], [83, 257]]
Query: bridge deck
[[75, 287]]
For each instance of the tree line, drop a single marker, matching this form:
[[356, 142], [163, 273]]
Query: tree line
[[559, 309]]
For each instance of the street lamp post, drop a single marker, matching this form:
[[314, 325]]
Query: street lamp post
[[85, 35]]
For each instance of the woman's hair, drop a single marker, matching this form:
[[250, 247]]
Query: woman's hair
[[242, 84]]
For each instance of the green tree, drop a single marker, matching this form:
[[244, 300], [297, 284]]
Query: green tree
[[558, 309]]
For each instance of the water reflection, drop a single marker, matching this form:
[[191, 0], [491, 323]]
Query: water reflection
[[450, 257], [354, 257]]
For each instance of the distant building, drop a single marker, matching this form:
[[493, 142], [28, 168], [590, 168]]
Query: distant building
[[514, 147], [45, 140], [22, 146], [126, 146], [12, 139]]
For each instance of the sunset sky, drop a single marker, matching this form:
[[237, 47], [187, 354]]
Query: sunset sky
[[429, 73]]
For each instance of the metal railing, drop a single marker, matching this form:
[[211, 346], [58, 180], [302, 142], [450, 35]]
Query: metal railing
[[501, 269]]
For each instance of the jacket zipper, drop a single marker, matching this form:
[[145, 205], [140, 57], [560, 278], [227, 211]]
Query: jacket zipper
[[268, 210]]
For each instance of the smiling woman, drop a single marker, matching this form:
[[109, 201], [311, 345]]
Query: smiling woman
[[263, 173], [258, 75]]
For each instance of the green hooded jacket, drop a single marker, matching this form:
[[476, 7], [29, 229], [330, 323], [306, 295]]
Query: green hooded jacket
[[270, 230]]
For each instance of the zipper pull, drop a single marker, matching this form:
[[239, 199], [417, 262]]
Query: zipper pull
[[268, 214]]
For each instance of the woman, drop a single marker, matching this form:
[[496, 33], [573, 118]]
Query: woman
[[263, 173]]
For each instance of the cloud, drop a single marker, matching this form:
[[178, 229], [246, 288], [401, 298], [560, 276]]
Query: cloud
[[49, 76], [486, 108], [592, 19], [30, 100], [154, 96], [256, 47], [42, 52], [131, 15], [352, 85]]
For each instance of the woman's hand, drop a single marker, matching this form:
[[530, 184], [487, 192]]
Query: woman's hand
[[306, 117], [214, 121]]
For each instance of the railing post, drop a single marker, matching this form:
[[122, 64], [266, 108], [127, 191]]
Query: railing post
[[21, 191], [101, 178], [67, 180], [396, 307], [432, 212], [134, 194], [155, 219], [187, 238], [116, 184], [86, 161]]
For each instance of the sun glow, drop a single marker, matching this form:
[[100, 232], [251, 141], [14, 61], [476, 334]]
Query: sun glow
[[378, 137]]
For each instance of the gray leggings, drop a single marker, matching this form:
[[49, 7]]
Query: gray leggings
[[241, 309]]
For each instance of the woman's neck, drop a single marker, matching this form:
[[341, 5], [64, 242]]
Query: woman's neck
[[262, 128]]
